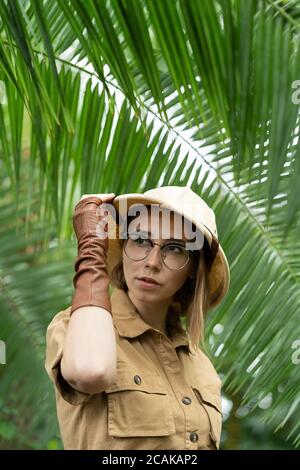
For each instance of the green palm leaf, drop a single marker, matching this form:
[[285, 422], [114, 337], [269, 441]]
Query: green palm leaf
[[124, 96]]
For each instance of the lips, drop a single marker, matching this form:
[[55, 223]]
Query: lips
[[149, 280]]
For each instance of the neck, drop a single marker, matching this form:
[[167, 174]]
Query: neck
[[154, 314]]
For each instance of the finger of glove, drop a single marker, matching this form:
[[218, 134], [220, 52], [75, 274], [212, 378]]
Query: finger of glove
[[88, 203], [89, 218]]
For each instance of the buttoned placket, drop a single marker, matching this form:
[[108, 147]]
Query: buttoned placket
[[183, 393]]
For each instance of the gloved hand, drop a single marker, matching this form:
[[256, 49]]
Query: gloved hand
[[91, 280]]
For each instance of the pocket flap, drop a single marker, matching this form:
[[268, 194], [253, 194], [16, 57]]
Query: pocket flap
[[143, 382], [209, 393], [211, 398]]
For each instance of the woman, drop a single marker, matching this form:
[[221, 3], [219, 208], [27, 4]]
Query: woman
[[127, 375]]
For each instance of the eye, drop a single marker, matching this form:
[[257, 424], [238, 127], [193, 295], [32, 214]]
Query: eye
[[178, 249], [139, 241]]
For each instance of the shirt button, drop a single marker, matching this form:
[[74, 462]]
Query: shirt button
[[186, 400], [193, 437], [137, 379]]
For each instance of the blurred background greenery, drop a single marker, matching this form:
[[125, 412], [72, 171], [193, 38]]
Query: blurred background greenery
[[126, 95]]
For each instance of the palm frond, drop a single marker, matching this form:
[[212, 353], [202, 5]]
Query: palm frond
[[221, 71]]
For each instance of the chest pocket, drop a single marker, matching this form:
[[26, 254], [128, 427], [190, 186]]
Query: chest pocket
[[211, 401], [139, 405]]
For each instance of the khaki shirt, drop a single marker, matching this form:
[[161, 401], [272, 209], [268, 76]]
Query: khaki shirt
[[164, 396]]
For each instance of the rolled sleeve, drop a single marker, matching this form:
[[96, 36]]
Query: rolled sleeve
[[55, 338]]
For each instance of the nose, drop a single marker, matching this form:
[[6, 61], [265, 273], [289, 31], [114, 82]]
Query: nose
[[154, 257]]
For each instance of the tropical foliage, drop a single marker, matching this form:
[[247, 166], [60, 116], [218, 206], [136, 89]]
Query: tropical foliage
[[125, 95]]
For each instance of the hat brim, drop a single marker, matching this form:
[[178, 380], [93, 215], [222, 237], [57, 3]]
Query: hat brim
[[219, 274]]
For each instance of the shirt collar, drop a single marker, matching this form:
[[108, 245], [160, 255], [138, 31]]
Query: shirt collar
[[130, 324]]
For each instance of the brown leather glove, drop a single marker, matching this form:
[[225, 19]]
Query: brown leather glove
[[91, 280]]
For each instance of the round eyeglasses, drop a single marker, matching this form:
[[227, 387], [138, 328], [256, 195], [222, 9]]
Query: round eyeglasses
[[174, 255]]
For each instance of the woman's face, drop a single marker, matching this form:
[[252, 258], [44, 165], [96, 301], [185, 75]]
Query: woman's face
[[170, 281]]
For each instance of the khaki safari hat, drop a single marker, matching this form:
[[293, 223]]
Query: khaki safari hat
[[181, 200]]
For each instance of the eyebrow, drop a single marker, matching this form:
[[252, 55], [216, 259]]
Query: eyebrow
[[144, 232]]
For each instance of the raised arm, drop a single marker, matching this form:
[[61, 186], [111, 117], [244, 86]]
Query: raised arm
[[89, 355]]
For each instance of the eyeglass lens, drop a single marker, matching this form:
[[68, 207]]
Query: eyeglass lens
[[174, 255]]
